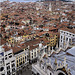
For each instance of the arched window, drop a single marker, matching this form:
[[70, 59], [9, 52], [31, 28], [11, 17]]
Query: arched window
[[60, 73], [2, 68]]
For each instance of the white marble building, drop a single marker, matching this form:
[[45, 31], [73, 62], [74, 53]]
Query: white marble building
[[67, 38], [2, 72], [10, 63], [45, 67], [7, 62]]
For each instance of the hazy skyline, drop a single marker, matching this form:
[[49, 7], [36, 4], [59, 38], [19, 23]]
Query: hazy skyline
[[20, 0], [26, 0]]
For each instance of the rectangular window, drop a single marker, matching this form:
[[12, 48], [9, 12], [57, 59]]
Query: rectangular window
[[13, 70], [17, 65], [34, 54], [10, 56], [25, 57], [7, 63], [61, 37], [21, 59], [13, 61], [70, 34], [17, 61], [43, 67], [8, 72], [66, 39], [8, 67], [5, 58], [13, 65], [32, 57]]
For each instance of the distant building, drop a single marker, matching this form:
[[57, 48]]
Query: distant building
[[57, 0], [3, 0], [7, 62], [10, 63], [67, 38], [22, 57], [2, 69]]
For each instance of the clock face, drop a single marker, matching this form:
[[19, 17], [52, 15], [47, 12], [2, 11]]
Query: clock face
[[1, 68]]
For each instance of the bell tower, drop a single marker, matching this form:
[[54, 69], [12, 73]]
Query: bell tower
[[50, 7]]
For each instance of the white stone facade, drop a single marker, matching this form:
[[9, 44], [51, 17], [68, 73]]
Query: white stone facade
[[10, 63], [42, 68], [33, 54], [2, 61], [66, 39]]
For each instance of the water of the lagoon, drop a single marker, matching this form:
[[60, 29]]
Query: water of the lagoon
[[24, 0]]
